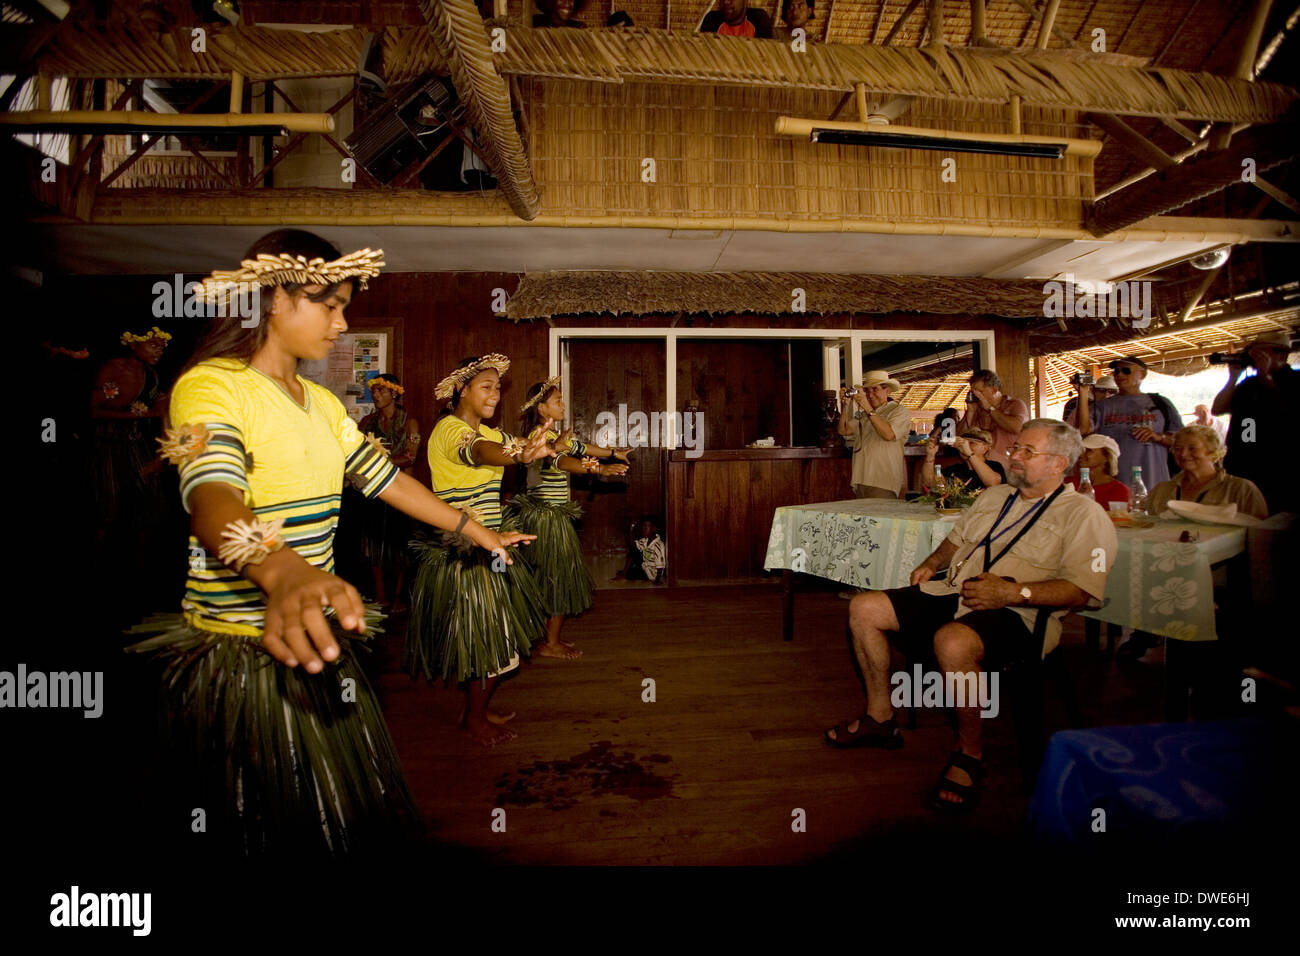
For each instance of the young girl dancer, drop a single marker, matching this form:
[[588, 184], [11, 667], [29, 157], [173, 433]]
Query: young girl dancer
[[548, 512], [473, 615], [261, 677]]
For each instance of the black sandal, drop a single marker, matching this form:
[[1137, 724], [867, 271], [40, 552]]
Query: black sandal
[[969, 795], [870, 733]]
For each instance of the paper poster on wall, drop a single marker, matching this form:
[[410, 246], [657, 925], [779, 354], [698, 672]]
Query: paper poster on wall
[[356, 359]]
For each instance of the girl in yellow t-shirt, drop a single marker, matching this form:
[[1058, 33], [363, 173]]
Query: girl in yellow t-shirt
[[473, 615], [548, 512], [261, 678]]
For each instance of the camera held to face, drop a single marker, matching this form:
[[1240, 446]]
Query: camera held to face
[[1082, 378], [1231, 358]]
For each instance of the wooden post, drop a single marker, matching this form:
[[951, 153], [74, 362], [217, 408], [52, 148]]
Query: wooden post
[[1040, 389], [236, 92], [1015, 114], [42, 91], [860, 95]]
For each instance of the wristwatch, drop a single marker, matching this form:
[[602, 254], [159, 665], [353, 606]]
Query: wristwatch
[[1025, 593]]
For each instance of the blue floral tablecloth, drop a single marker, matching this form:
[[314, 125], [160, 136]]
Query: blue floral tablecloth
[[1161, 585], [865, 542]]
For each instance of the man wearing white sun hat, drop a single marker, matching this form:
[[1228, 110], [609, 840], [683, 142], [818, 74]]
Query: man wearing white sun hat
[[875, 427]]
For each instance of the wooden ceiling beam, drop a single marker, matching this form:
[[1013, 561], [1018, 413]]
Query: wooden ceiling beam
[[1132, 140], [1265, 146], [901, 21], [1047, 24]]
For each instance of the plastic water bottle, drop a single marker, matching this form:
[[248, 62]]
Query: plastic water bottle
[[938, 473], [1085, 484], [1137, 492]]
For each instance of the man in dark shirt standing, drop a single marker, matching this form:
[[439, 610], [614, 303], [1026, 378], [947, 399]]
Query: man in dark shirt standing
[[1263, 408], [734, 18]]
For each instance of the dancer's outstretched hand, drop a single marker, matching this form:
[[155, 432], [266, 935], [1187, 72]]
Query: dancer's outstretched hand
[[622, 454], [497, 542], [296, 628], [536, 446], [611, 471]]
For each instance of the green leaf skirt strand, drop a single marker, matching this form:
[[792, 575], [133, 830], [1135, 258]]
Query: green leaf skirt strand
[[285, 761], [468, 620], [556, 555]]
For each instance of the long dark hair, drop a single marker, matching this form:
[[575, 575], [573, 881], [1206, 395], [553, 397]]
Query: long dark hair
[[227, 337], [532, 418]]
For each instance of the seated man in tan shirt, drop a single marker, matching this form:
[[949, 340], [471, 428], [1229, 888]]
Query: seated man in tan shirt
[[1030, 543]]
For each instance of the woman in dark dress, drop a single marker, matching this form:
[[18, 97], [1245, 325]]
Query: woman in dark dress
[[386, 531]]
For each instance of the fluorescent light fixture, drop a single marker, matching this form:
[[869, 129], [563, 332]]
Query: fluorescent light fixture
[[888, 138]]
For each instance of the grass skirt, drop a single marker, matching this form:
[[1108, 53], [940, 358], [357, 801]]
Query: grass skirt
[[468, 620], [286, 761], [556, 555]]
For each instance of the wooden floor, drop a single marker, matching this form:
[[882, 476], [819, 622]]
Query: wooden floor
[[712, 771]]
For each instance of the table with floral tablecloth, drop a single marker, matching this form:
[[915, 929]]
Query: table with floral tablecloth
[[864, 542], [1164, 586]]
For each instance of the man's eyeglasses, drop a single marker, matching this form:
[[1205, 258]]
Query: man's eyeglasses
[[1123, 370], [1024, 451]]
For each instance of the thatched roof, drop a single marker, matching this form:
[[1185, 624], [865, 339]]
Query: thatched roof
[[1040, 78], [547, 294], [1048, 78], [130, 50]]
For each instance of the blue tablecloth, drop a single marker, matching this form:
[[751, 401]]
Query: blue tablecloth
[[1221, 775]]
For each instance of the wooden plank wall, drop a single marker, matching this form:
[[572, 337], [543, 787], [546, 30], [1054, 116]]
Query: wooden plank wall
[[438, 318]]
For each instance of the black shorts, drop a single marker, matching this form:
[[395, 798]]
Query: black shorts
[[1004, 634]]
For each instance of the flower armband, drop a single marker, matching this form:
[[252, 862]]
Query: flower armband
[[590, 465], [513, 447], [249, 542], [184, 444]]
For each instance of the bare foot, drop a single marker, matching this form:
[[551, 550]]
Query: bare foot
[[493, 716], [562, 650], [487, 733]]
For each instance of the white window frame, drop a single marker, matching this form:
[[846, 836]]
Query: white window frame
[[559, 353]]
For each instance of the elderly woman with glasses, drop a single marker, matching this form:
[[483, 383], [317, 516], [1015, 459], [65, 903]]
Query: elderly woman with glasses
[[1199, 454]]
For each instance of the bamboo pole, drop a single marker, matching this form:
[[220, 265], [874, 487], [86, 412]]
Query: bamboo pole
[[796, 126], [145, 121], [1015, 114], [43, 91], [936, 23], [978, 29], [1245, 70], [1049, 21], [860, 97]]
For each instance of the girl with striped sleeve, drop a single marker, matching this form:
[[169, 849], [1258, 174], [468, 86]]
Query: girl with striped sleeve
[[548, 512], [260, 671], [471, 615]]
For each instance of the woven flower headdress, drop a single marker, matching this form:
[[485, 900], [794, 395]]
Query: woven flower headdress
[[458, 379], [550, 383], [364, 264]]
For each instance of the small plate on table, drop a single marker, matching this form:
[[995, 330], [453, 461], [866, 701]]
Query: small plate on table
[[1212, 514]]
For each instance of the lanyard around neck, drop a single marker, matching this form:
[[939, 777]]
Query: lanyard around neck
[[1033, 514]]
